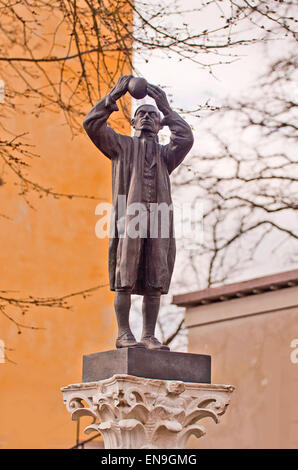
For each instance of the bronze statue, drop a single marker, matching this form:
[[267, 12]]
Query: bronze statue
[[141, 264]]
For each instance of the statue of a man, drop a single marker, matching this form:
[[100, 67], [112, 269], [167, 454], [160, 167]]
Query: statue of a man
[[141, 264]]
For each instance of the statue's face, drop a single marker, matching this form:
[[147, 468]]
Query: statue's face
[[147, 118]]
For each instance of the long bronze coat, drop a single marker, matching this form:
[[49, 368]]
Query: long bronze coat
[[127, 156]]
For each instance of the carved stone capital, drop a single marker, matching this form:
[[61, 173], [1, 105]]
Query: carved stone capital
[[138, 413]]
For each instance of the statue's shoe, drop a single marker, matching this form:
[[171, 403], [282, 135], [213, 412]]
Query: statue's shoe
[[152, 343], [128, 341]]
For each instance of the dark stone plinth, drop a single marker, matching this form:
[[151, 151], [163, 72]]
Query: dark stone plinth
[[164, 365]]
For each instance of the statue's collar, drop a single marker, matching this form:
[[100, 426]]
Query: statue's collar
[[146, 136]]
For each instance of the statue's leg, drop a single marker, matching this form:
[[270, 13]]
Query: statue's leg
[[150, 309], [125, 338]]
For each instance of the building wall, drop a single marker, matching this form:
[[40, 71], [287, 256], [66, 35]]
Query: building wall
[[49, 251], [251, 343]]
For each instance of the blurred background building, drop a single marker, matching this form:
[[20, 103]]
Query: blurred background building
[[251, 331]]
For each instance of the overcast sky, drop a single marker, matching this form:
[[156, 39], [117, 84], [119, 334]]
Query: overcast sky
[[190, 84]]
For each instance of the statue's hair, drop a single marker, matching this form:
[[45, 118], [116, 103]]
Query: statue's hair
[[141, 106]]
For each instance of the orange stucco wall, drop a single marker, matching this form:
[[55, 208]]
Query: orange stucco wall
[[52, 251]]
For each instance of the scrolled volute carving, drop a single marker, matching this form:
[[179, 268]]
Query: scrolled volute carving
[[135, 412]]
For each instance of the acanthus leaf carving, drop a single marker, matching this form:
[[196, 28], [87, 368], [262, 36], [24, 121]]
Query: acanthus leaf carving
[[135, 412]]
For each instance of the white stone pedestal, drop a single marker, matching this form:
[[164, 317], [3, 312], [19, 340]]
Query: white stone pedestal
[[137, 413]]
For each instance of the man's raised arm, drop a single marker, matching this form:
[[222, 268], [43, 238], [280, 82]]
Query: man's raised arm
[[182, 139], [95, 123]]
